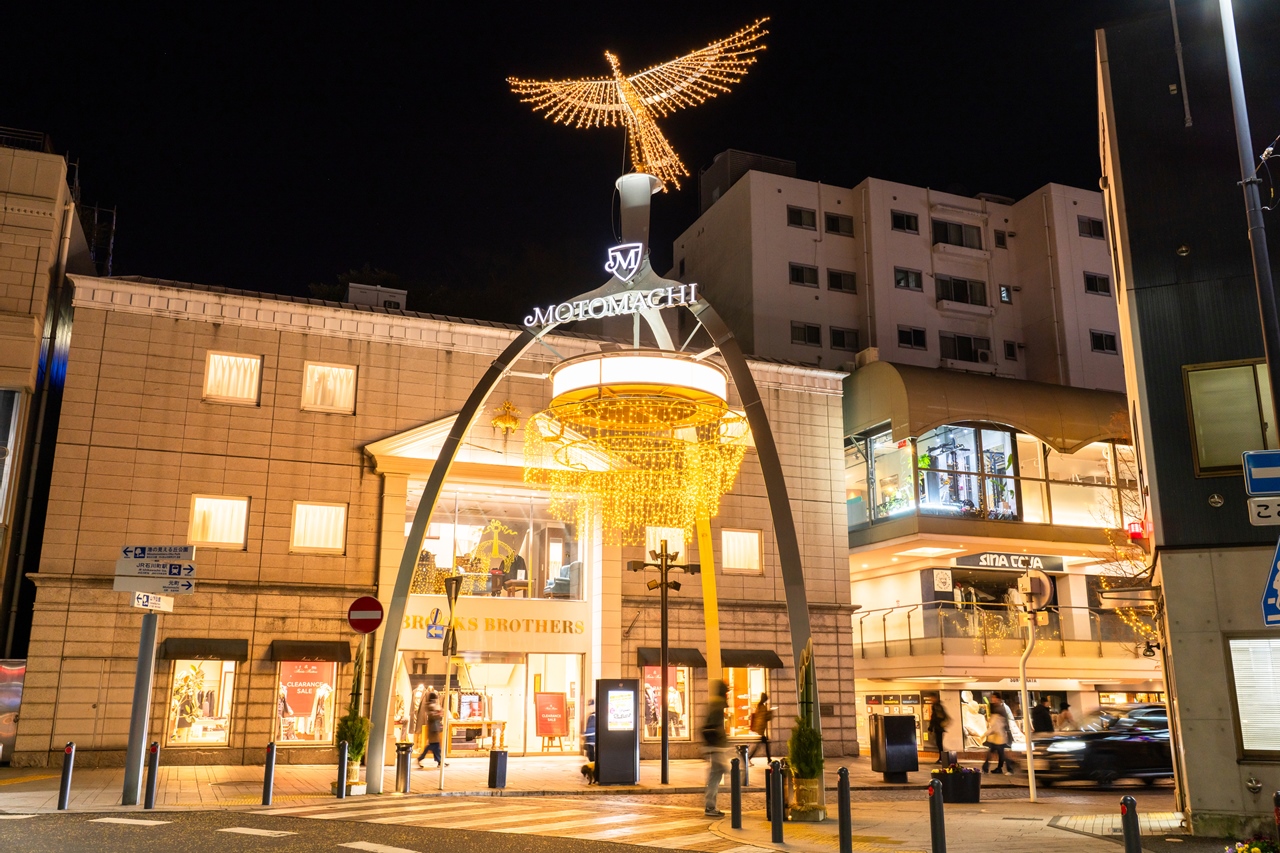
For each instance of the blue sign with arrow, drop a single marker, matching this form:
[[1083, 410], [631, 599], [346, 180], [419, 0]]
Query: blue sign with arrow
[[1271, 594], [1262, 472]]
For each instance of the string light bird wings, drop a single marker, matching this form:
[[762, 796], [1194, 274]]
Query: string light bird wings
[[638, 100]]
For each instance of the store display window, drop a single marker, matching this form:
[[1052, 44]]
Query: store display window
[[678, 708], [746, 683], [200, 699], [305, 703]]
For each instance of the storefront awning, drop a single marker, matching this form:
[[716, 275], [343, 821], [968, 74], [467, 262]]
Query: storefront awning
[[338, 651], [914, 400], [203, 648], [675, 657], [766, 658]]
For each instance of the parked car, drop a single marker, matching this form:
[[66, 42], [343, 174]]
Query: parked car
[[1116, 742]]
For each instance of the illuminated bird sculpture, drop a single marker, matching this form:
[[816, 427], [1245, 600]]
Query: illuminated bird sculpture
[[638, 100]]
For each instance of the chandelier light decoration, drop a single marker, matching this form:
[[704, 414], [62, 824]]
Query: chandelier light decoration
[[638, 100], [637, 439]]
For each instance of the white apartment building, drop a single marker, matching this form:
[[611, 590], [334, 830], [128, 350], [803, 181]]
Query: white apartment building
[[814, 273], [986, 430]]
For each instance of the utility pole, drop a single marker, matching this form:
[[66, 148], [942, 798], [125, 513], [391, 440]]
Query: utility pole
[[664, 562], [1253, 207]]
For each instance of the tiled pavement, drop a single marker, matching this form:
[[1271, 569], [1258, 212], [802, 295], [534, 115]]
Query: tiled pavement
[[1104, 825]]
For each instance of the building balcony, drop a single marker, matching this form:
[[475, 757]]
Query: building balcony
[[949, 250], [965, 309]]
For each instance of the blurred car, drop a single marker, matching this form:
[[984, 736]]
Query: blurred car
[[1116, 742]]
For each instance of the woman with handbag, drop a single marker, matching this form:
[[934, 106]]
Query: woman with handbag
[[998, 734], [432, 716], [760, 718]]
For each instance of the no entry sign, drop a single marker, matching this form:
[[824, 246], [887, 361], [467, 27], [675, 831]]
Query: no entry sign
[[365, 614]]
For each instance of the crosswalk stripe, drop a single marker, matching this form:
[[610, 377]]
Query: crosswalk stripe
[[401, 808], [376, 848], [15, 816], [128, 821], [681, 841], [496, 822], [594, 821], [425, 814], [249, 830], [632, 830], [746, 848]]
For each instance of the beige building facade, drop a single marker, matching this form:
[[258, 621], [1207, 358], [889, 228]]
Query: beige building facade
[[289, 441]]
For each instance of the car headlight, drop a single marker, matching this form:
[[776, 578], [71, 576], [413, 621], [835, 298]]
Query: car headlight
[[1066, 746]]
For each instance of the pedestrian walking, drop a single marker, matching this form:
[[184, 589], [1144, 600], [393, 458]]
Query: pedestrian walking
[[589, 731], [760, 719], [1041, 717], [716, 743], [938, 719], [997, 736], [1066, 721], [433, 719]]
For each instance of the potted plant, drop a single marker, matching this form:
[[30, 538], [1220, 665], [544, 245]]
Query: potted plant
[[804, 752], [959, 784], [354, 729]]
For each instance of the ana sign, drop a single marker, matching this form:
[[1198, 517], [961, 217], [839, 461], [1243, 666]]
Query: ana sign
[[619, 304], [1020, 562]]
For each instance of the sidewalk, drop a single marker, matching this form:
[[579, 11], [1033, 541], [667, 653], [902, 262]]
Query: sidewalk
[[221, 786]]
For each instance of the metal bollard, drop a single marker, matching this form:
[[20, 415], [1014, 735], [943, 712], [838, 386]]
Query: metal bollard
[[937, 817], [269, 774], [1129, 822], [735, 797], [775, 795], [64, 789], [153, 775], [1275, 804], [342, 770], [844, 809], [404, 763], [744, 753]]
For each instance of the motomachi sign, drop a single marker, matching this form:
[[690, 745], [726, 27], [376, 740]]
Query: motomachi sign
[[619, 304]]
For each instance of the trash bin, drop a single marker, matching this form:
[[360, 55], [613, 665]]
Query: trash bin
[[893, 746], [404, 756], [497, 768], [744, 763]]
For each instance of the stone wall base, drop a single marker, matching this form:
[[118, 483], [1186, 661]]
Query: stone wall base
[[1228, 825]]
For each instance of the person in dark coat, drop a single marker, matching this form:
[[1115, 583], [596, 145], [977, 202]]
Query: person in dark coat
[[1042, 717], [716, 744], [589, 731], [938, 719]]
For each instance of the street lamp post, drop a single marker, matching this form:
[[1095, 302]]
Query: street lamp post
[[664, 563]]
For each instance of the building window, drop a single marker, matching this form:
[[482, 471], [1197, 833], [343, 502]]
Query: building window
[[806, 333], [678, 707], [1230, 408], [200, 699], [1095, 283], [908, 279], [964, 290], [218, 521], [1001, 239], [802, 217], [745, 683], [1103, 342], [803, 275], [844, 339], [909, 337], [653, 537], [1090, 227], [329, 388], [1010, 351], [907, 222], [845, 282], [1006, 294], [1255, 682], [964, 347], [319, 528], [956, 234], [740, 551], [838, 223], [305, 702], [232, 378]]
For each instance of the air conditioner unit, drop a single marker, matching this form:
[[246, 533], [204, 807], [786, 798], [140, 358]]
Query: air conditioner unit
[[867, 356], [984, 355]]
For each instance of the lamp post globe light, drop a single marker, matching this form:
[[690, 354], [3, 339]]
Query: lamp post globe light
[[664, 562]]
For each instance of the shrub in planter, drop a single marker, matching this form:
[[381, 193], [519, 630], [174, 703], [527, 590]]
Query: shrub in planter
[[805, 759], [959, 784]]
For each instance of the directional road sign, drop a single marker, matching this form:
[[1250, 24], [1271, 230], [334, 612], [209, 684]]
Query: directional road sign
[[151, 601], [365, 614], [163, 586], [167, 553], [1271, 594], [1262, 472], [154, 569]]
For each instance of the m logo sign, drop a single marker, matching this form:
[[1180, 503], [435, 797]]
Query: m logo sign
[[624, 260]]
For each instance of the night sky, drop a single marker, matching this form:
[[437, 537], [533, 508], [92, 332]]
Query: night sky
[[273, 147]]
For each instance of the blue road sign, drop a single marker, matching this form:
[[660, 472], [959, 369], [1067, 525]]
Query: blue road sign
[[1271, 594], [1262, 472]]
